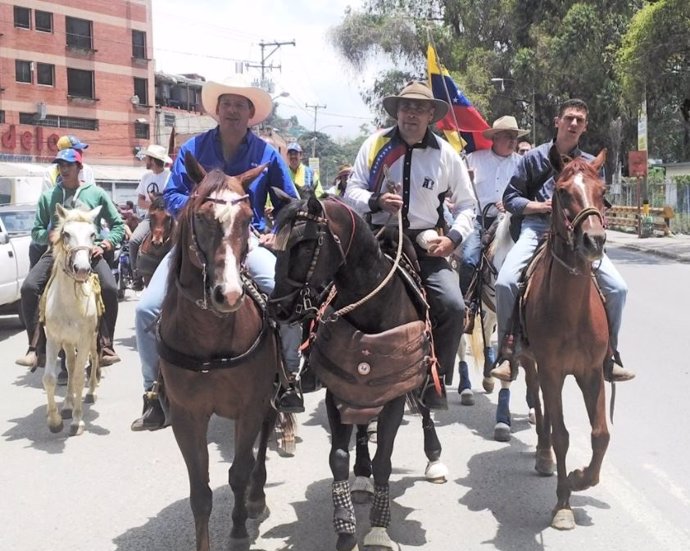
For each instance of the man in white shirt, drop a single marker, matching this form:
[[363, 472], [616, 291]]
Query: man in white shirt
[[492, 170], [152, 183], [424, 169]]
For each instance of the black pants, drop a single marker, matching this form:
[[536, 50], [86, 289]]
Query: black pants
[[37, 279]]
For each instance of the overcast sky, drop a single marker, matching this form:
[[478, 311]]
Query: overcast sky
[[209, 37]]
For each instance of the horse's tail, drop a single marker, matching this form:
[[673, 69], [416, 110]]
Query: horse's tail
[[477, 344]]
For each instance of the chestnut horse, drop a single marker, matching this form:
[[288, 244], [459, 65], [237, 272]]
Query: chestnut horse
[[323, 242], [566, 326], [219, 354], [158, 241]]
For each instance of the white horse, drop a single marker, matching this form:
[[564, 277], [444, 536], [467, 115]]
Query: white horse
[[70, 311], [483, 352]]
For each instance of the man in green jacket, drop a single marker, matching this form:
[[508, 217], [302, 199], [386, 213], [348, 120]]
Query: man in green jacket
[[71, 192]]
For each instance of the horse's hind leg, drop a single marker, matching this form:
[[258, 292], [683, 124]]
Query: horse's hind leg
[[544, 463], [55, 423], [362, 487], [380, 513], [552, 390], [339, 459], [503, 417], [593, 391], [256, 497], [93, 373], [436, 471], [78, 358], [190, 432]]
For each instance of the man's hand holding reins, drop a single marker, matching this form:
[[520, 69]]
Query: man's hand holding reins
[[390, 202]]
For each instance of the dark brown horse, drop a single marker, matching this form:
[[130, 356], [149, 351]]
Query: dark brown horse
[[218, 353], [566, 324], [324, 242], [158, 241]]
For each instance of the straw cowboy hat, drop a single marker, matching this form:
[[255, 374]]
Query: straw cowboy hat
[[156, 152], [504, 124], [211, 91], [416, 91]]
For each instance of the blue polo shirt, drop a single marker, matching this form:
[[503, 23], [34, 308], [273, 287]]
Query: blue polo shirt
[[252, 152]]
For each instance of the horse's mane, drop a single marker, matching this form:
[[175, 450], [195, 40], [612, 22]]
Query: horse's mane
[[73, 215]]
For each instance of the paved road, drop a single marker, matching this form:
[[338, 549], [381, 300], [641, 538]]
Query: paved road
[[111, 489]]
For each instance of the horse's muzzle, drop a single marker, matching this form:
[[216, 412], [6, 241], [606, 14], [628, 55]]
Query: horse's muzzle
[[228, 302], [590, 243]]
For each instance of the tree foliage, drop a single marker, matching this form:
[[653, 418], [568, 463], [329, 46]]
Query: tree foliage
[[538, 53]]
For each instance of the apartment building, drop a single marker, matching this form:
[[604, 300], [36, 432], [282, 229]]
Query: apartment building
[[76, 67]]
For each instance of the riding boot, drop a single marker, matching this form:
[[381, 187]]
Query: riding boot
[[108, 355], [614, 372], [152, 417]]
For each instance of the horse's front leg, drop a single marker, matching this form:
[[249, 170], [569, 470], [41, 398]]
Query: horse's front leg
[[380, 513], [592, 388], [190, 432], [76, 360], [256, 496], [339, 459], [362, 487], [503, 418], [436, 471], [552, 388], [55, 423]]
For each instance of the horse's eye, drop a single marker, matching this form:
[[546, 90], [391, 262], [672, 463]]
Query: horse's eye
[[66, 236], [93, 236]]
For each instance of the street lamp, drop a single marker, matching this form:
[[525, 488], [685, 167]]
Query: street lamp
[[533, 103], [313, 139], [281, 95]]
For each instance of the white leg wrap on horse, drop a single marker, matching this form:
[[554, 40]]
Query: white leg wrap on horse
[[378, 537], [436, 471]]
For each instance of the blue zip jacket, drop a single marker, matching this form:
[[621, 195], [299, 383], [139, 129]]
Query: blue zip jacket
[[253, 151]]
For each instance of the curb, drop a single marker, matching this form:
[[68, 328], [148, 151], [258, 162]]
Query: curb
[[656, 252]]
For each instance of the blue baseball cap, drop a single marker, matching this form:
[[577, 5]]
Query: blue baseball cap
[[294, 146], [71, 142], [68, 156]]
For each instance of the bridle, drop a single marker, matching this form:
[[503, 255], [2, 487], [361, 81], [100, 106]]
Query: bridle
[[70, 253], [571, 227], [202, 258], [308, 225]]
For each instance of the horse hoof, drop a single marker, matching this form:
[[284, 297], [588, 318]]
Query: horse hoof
[[66, 413], [563, 520], [502, 432], [436, 472], [488, 383], [467, 397], [362, 490], [532, 417], [76, 430], [90, 399], [377, 540], [239, 544], [346, 542], [545, 465], [57, 428]]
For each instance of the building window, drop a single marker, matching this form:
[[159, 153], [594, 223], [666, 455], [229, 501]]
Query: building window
[[80, 84], [56, 121], [45, 74], [22, 17], [2, 117], [43, 21], [169, 119], [138, 44], [141, 90], [22, 70], [79, 33], [141, 130]]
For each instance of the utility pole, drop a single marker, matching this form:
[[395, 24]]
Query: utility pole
[[264, 58], [313, 140]]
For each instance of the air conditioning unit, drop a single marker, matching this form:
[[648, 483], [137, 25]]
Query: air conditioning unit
[[134, 100], [41, 110]]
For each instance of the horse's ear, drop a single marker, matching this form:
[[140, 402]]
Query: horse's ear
[[94, 212], [282, 195], [194, 170], [555, 159], [248, 177], [60, 210], [314, 205], [599, 160]]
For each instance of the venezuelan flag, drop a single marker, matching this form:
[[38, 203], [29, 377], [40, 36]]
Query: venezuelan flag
[[463, 125]]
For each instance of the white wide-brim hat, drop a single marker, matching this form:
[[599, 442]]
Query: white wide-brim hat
[[504, 124], [157, 152], [211, 91]]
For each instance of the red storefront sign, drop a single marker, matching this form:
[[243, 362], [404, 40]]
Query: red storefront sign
[[28, 142]]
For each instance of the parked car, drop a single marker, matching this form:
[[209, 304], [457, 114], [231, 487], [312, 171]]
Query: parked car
[[16, 222]]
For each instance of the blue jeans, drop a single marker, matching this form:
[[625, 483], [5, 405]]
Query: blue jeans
[[260, 263], [612, 285], [471, 250]]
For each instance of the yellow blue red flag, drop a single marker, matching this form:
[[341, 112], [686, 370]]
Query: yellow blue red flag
[[463, 124]]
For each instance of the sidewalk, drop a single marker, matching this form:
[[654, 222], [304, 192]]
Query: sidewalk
[[676, 247]]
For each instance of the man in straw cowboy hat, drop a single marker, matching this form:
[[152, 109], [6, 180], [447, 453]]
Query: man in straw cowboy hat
[[153, 181], [528, 198], [410, 170], [232, 147]]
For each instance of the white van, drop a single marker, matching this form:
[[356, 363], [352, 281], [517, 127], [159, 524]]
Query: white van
[[20, 190]]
